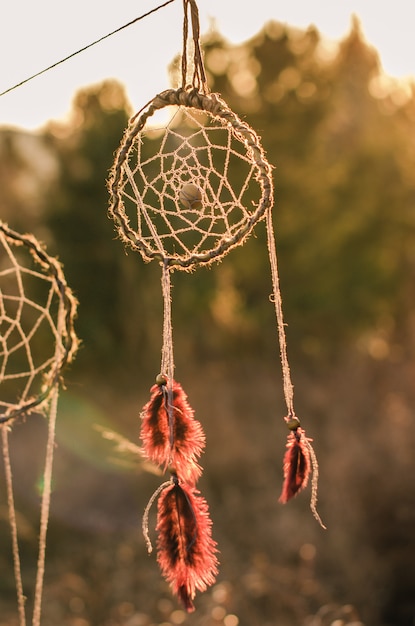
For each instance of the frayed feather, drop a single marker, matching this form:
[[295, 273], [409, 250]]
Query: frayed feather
[[297, 465], [186, 550], [170, 434]]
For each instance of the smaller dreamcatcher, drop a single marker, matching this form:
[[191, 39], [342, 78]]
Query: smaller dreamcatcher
[[37, 340], [185, 192]]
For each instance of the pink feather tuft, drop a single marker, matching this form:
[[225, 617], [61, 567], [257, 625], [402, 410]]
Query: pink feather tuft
[[186, 550], [170, 434], [297, 465]]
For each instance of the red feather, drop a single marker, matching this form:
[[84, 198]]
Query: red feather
[[297, 465], [170, 434], [186, 550]]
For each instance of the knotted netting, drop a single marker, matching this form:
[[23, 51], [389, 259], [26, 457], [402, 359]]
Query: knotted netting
[[203, 147], [37, 337]]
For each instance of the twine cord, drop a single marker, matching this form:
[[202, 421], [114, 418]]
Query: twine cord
[[167, 359], [147, 513], [199, 74], [277, 300], [94, 43], [286, 375], [314, 484], [13, 525], [45, 507]]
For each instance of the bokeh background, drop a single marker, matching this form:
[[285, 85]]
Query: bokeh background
[[341, 137]]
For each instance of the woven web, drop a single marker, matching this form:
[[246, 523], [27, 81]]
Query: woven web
[[193, 147], [30, 339]]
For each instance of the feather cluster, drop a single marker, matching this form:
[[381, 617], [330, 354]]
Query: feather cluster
[[297, 465], [186, 550], [172, 438], [170, 434]]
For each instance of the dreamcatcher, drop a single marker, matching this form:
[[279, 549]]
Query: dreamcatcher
[[185, 192], [37, 340]]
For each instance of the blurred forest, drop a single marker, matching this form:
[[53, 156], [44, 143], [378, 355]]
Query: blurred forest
[[341, 137]]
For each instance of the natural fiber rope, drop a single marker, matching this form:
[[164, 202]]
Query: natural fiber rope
[[13, 524], [287, 384], [314, 484], [93, 43], [167, 360], [185, 36], [144, 524], [277, 300], [199, 75], [45, 505]]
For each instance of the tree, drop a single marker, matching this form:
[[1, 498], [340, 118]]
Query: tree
[[339, 239], [96, 266]]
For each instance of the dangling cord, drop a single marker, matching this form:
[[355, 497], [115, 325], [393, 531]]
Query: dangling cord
[[276, 298], [314, 485], [292, 421], [167, 361], [199, 74], [45, 505], [47, 474], [146, 514], [167, 358], [165, 379], [13, 525]]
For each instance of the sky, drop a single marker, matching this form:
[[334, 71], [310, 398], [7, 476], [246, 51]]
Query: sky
[[35, 35]]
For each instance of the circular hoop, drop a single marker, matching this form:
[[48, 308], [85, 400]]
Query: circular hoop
[[250, 151], [24, 320]]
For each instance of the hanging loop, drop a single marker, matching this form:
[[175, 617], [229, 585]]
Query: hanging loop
[[199, 75]]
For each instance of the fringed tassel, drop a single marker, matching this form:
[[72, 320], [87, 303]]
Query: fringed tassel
[[297, 465], [300, 462], [186, 551], [170, 434]]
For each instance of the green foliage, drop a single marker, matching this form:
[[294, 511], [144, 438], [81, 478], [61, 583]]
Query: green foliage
[[75, 212], [342, 191]]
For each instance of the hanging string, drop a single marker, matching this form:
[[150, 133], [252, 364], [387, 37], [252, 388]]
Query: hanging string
[[146, 514], [45, 506], [199, 81], [167, 359], [314, 484], [70, 56], [47, 478], [286, 375], [276, 297], [13, 525]]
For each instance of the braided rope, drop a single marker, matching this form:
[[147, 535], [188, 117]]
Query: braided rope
[[199, 75]]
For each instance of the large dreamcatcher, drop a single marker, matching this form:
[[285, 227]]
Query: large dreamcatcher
[[189, 182], [37, 340]]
